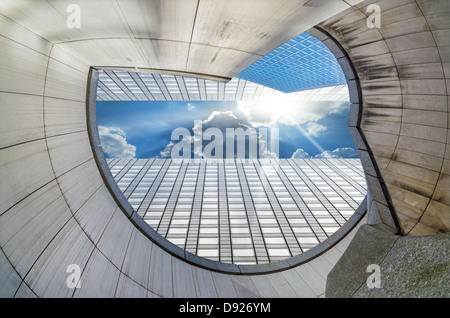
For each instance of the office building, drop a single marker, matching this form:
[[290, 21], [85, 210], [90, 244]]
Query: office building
[[243, 211]]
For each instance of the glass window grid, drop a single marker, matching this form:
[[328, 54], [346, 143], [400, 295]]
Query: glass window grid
[[323, 188]]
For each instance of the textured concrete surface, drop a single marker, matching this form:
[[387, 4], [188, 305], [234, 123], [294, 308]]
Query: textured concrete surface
[[369, 246], [414, 267], [55, 209], [403, 70]]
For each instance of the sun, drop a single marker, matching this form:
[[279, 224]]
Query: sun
[[269, 110]]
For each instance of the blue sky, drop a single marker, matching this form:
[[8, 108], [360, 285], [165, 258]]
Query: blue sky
[[302, 63], [142, 129]]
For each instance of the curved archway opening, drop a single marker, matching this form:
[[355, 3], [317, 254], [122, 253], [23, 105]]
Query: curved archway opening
[[201, 224]]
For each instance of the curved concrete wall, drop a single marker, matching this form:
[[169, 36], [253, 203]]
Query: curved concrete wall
[[404, 71], [55, 209]]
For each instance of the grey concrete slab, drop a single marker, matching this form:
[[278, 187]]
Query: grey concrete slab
[[136, 263], [127, 288], [68, 151], [244, 286], [38, 229], [281, 285], [24, 180], [94, 224], [160, 278], [63, 116], [224, 285], [99, 279], [262, 284], [312, 278], [24, 292], [29, 34], [115, 239], [203, 283], [17, 61], [75, 182], [9, 278], [297, 284]]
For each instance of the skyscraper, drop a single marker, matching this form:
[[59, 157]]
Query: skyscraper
[[243, 211]]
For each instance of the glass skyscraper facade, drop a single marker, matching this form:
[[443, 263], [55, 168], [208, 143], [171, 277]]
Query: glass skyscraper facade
[[303, 63], [117, 85], [243, 211]]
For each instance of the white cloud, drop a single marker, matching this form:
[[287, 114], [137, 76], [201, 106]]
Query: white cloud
[[288, 112], [114, 142], [314, 129], [222, 121], [300, 154], [190, 106], [345, 152]]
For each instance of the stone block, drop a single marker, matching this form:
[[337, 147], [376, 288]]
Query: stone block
[[380, 138], [413, 172], [24, 292], [353, 120], [312, 278], [371, 49], [423, 87], [408, 26], [357, 138], [431, 7], [369, 122], [369, 246]]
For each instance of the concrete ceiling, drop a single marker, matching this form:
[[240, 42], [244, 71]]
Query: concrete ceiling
[[219, 38]]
